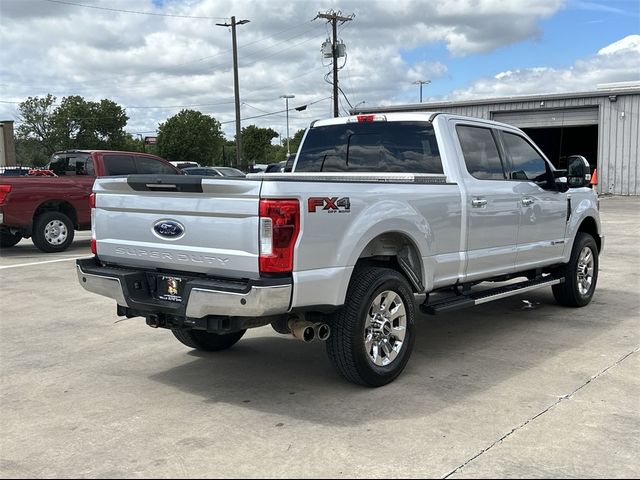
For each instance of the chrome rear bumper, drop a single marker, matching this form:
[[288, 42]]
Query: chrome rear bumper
[[203, 296]]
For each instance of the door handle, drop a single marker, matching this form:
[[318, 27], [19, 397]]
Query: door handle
[[528, 201], [478, 203]]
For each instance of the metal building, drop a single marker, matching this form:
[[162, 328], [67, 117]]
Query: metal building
[[601, 125]]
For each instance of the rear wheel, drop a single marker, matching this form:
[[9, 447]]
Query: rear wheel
[[52, 232], [373, 334], [209, 342], [9, 240], [580, 274]]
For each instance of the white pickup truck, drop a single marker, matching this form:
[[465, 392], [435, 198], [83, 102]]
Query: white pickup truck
[[379, 211]]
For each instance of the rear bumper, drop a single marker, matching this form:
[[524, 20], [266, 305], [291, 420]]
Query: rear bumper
[[203, 296]]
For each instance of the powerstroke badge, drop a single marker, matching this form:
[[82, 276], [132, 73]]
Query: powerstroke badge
[[329, 204]]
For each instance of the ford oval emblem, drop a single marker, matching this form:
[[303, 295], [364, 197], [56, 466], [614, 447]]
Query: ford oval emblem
[[168, 229]]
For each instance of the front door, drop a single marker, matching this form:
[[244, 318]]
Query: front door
[[543, 210]]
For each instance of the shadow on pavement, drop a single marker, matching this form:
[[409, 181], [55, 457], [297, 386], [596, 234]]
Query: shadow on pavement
[[455, 356]]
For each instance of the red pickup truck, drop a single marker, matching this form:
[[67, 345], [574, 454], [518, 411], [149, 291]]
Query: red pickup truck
[[49, 208]]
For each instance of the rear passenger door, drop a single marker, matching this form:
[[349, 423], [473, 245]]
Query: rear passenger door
[[543, 210], [493, 211]]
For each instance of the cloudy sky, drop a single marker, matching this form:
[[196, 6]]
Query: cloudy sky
[[155, 57]]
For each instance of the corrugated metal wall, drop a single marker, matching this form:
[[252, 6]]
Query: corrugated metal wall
[[618, 130]]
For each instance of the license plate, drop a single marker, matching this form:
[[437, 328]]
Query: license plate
[[170, 288]]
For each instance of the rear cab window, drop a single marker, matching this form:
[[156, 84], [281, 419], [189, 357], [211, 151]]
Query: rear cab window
[[66, 164], [406, 147]]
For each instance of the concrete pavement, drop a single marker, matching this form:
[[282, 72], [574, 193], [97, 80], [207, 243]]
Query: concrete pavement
[[500, 390]]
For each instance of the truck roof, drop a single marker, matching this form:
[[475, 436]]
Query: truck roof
[[400, 117]]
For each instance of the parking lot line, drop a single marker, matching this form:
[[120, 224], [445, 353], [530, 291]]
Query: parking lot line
[[41, 263]]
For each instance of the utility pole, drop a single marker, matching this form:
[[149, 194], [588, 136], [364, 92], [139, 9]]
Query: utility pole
[[239, 162], [334, 18], [421, 82], [287, 97]]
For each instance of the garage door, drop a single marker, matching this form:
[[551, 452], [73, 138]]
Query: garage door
[[549, 118]]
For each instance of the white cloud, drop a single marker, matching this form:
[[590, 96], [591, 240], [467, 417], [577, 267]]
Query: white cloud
[[155, 61], [617, 62]]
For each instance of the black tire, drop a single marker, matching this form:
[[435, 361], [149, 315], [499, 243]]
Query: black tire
[[209, 342], [8, 240], [346, 346], [52, 232], [574, 292]]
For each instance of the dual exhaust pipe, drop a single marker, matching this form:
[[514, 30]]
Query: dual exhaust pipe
[[308, 331]]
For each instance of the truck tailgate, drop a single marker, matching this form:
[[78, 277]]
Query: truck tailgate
[[183, 223]]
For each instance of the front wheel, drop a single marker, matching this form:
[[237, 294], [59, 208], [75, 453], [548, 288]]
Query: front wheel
[[373, 334], [209, 342], [580, 274]]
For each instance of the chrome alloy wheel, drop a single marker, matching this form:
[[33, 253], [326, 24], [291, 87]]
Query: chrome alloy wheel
[[385, 328], [586, 263], [55, 232]]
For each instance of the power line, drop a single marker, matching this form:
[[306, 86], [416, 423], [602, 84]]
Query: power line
[[62, 2], [274, 113]]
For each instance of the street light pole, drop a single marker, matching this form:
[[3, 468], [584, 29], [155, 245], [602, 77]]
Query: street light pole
[[355, 108], [141, 141], [286, 98], [421, 82], [239, 163]]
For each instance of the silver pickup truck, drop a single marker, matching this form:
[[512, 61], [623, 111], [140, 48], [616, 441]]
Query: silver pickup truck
[[381, 212]]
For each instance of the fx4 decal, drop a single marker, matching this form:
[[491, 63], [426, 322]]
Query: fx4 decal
[[329, 204]]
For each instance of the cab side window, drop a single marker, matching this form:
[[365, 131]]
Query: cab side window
[[148, 165], [526, 162], [480, 153], [119, 164]]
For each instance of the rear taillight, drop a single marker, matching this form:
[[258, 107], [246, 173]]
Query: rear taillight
[[279, 227], [4, 190], [92, 205]]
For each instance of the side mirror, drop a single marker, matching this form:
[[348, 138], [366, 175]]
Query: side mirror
[[578, 171]]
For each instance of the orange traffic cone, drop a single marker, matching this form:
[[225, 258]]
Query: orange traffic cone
[[594, 177]]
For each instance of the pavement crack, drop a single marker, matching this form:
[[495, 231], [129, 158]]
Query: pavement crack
[[539, 414]]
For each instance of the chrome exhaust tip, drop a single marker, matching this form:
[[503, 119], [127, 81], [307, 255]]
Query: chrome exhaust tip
[[323, 331], [302, 330]]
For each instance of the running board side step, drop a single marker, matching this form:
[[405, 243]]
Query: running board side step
[[477, 298]]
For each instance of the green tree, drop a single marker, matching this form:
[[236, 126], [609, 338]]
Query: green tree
[[296, 141], [190, 136], [256, 143], [35, 128], [31, 152], [78, 123], [75, 123]]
